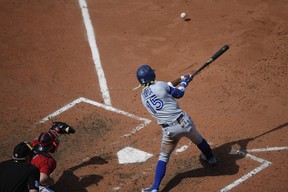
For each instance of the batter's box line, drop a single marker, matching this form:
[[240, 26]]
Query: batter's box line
[[264, 164], [268, 149], [106, 107]]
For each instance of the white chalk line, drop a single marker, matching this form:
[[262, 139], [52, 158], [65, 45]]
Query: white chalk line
[[106, 107], [264, 164], [100, 72], [59, 111], [268, 149], [95, 52]]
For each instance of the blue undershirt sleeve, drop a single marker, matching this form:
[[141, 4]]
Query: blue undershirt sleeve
[[176, 93]]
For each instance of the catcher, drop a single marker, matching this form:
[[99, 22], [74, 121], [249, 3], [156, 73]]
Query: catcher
[[45, 144]]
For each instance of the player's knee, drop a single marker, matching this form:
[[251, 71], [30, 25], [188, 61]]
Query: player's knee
[[196, 137], [164, 157]]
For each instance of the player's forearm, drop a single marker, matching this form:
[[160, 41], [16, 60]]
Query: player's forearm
[[47, 183], [46, 180], [33, 190]]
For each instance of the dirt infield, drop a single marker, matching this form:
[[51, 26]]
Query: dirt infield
[[238, 102]]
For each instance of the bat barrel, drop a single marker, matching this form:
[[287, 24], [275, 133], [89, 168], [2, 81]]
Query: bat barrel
[[220, 52], [210, 60]]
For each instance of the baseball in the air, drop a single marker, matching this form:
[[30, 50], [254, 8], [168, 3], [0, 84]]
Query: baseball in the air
[[183, 15]]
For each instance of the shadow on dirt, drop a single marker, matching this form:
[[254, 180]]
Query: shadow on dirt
[[76, 184], [226, 155]]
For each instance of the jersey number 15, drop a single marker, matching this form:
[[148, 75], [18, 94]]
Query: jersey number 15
[[154, 104]]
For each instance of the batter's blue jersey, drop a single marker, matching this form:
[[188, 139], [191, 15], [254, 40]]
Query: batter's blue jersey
[[158, 101]]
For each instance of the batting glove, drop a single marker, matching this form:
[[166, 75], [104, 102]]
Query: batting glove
[[184, 83], [185, 77]]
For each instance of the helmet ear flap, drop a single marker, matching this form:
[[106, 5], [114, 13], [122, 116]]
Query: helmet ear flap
[[153, 76]]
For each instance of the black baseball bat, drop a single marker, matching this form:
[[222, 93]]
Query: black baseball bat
[[210, 60]]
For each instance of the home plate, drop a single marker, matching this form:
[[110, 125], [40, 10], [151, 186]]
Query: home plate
[[132, 155]]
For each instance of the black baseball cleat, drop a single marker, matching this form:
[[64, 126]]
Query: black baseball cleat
[[211, 161]]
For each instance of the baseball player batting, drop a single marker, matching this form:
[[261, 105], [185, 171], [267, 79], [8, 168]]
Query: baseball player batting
[[159, 98]]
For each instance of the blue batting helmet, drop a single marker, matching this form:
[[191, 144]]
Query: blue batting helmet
[[145, 75]]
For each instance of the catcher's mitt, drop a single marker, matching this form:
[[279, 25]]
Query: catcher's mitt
[[62, 128]]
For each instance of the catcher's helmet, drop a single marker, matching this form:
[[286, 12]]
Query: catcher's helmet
[[145, 75], [47, 142]]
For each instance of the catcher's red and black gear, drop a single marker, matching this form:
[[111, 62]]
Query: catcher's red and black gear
[[47, 141], [62, 128]]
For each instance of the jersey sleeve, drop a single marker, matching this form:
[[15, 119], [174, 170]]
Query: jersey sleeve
[[161, 89], [48, 167], [164, 88]]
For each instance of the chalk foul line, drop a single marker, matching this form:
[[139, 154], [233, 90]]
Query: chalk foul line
[[264, 164], [106, 107], [268, 149], [95, 52]]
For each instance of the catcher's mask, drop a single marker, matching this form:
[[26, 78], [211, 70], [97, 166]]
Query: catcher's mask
[[145, 75], [48, 141]]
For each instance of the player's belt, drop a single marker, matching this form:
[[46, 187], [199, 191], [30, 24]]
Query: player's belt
[[164, 125]]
